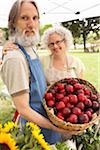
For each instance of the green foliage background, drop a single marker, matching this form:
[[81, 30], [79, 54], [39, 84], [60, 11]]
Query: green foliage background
[[92, 67]]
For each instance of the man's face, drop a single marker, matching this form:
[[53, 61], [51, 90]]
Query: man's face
[[28, 20]]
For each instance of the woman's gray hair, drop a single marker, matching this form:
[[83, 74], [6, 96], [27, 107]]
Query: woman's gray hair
[[62, 31], [14, 12]]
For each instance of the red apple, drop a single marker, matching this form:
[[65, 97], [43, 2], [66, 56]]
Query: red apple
[[76, 111], [73, 99], [66, 111], [81, 97], [87, 91], [60, 115], [69, 88], [50, 103], [72, 118], [65, 99], [48, 96], [81, 105], [95, 105], [88, 103], [89, 114], [78, 86], [60, 105], [60, 86], [83, 118], [59, 96]]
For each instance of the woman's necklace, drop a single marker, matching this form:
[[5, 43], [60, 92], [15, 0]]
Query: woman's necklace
[[65, 66], [61, 65]]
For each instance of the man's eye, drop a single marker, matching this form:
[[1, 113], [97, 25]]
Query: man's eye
[[24, 18], [35, 18]]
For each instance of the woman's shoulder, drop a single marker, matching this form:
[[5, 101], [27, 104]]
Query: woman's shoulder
[[74, 59]]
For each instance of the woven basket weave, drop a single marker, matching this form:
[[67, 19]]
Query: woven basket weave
[[67, 125]]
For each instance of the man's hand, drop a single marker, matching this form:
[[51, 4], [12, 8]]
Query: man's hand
[[66, 132]]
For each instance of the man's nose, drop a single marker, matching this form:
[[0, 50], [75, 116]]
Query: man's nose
[[31, 22]]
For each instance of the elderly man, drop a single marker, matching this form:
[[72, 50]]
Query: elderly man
[[22, 72]]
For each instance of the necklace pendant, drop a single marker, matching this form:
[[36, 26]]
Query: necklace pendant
[[65, 66]]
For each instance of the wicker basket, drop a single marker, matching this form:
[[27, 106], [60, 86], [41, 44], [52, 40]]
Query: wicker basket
[[67, 125]]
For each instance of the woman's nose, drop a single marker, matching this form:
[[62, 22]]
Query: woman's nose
[[55, 45]]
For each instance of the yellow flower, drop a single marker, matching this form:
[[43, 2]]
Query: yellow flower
[[0, 126], [41, 140], [44, 144], [35, 134], [31, 134], [7, 140], [33, 126], [8, 126]]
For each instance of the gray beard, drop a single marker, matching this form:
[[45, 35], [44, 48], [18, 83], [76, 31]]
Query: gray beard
[[25, 41]]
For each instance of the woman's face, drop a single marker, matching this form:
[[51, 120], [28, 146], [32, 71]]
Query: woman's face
[[56, 44]]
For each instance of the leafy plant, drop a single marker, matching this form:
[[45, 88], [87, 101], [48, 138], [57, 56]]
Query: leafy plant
[[89, 140], [62, 146], [6, 110]]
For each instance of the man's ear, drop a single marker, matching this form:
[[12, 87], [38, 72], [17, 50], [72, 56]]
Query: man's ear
[[39, 23]]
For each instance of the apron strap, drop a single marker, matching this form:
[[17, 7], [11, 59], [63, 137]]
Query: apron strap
[[29, 60], [23, 50]]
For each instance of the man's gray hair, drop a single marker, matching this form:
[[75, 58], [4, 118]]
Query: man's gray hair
[[14, 12], [62, 31]]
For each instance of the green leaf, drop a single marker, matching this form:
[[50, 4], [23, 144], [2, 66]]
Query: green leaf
[[61, 146]]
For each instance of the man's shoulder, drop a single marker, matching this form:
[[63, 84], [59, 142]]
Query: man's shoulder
[[13, 54]]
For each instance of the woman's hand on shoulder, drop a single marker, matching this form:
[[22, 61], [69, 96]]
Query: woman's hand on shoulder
[[0, 62], [9, 46]]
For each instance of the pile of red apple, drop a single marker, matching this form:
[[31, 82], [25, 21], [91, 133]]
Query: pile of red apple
[[72, 101]]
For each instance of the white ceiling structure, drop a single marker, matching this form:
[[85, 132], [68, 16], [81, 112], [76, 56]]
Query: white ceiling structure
[[55, 11]]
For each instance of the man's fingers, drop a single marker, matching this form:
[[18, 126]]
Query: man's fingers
[[72, 132]]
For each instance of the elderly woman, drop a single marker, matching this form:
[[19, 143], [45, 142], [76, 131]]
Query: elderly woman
[[60, 64]]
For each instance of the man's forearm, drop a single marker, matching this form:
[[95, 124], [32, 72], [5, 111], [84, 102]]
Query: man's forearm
[[22, 105], [32, 116], [43, 122]]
